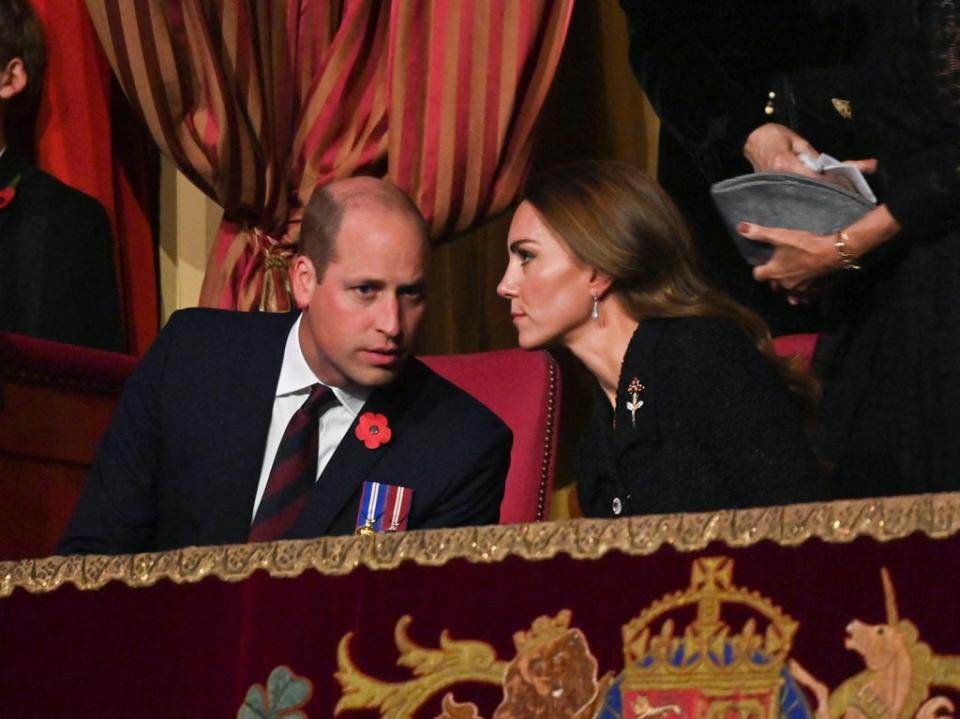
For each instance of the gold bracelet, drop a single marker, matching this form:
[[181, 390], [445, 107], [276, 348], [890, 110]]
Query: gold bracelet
[[846, 259]]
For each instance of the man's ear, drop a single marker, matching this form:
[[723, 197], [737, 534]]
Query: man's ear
[[600, 283], [13, 79], [303, 280]]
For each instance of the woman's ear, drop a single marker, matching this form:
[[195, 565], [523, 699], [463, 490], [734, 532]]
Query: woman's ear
[[303, 280], [600, 284]]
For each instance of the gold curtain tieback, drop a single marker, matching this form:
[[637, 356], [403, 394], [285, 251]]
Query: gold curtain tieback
[[276, 294]]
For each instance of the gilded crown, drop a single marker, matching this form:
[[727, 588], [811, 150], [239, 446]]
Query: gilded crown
[[705, 653]]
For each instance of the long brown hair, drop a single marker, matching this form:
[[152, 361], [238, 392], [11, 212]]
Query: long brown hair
[[618, 221]]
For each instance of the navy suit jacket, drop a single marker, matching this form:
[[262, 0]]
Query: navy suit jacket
[[180, 463], [57, 277]]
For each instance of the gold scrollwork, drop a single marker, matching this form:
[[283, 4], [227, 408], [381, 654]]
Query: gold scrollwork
[[553, 674], [935, 515], [435, 669]]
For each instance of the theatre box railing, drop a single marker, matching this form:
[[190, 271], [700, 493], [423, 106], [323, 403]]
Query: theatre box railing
[[845, 609]]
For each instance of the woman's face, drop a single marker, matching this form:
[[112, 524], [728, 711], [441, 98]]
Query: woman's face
[[549, 290]]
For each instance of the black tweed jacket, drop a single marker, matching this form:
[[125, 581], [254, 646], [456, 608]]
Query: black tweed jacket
[[702, 422]]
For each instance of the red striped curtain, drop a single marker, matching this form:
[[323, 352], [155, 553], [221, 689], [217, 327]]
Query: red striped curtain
[[259, 102]]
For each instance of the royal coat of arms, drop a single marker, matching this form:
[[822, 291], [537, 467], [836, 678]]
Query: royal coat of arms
[[705, 668]]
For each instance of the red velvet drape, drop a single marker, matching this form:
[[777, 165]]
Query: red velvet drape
[[153, 648], [85, 141]]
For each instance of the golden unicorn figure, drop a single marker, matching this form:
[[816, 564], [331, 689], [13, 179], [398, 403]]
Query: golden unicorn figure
[[900, 670]]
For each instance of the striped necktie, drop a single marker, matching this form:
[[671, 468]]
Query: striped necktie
[[294, 469]]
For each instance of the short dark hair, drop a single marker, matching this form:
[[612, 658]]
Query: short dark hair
[[22, 36], [324, 213], [318, 231]]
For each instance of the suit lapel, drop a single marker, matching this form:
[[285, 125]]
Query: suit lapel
[[246, 422], [25, 229], [352, 463], [10, 250], [10, 167]]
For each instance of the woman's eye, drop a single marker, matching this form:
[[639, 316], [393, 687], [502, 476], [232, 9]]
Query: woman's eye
[[524, 256]]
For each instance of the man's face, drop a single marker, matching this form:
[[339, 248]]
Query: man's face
[[360, 320]]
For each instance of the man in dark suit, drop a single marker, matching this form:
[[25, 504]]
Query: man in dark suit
[[196, 446], [57, 276]]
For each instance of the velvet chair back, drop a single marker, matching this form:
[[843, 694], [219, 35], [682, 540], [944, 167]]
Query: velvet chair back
[[801, 346], [523, 389], [56, 401]]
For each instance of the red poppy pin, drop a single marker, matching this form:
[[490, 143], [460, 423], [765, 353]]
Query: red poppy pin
[[9, 192], [373, 430], [6, 196]]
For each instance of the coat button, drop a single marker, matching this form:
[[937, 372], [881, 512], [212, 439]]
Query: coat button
[[617, 506]]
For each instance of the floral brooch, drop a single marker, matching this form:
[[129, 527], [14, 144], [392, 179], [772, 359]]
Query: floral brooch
[[373, 430], [634, 403]]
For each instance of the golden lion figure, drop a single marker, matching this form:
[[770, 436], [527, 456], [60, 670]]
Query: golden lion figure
[[553, 674], [643, 709]]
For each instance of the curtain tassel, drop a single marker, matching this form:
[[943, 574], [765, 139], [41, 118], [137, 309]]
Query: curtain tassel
[[276, 295]]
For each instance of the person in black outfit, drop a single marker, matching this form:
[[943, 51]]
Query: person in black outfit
[[693, 410], [890, 416], [57, 277], [708, 69]]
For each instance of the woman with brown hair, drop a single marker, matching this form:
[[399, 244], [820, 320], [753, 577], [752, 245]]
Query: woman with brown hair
[[694, 412]]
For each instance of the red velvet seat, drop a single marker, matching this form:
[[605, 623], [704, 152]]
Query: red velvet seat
[[523, 389], [800, 345], [56, 401]]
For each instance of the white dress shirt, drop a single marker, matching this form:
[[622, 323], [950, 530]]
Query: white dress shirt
[[293, 388]]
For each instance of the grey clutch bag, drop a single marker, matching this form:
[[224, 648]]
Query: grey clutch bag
[[780, 199]]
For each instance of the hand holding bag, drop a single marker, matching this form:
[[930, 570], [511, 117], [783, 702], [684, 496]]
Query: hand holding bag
[[780, 199]]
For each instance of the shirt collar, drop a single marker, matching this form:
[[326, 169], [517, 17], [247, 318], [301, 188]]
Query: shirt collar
[[296, 377]]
